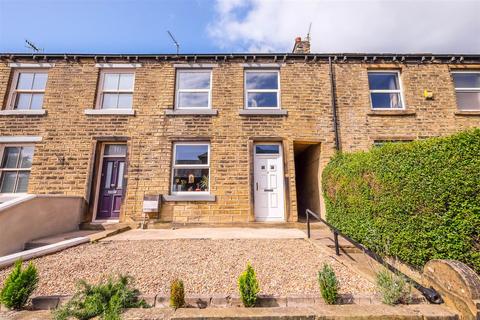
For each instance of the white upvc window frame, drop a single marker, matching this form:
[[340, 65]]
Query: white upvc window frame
[[278, 90], [101, 92], [12, 96], [474, 89], [2, 170], [178, 90], [196, 166], [399, 90]]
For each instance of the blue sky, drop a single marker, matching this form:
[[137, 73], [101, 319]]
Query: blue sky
[[207, 26]]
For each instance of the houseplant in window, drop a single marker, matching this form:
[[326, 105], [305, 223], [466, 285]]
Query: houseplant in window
[[204, 183]]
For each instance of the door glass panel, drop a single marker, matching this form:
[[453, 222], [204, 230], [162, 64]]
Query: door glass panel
[[22, 184], [267, 149], [108, 179], [8, 182], [10, 157], [121, 168], [115, 150]]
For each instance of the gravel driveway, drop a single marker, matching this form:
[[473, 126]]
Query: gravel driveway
[[283, 266]]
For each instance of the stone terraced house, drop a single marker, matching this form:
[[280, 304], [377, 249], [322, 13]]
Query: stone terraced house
[[213, 138]]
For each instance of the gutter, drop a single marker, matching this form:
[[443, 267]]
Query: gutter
[[334, 104]]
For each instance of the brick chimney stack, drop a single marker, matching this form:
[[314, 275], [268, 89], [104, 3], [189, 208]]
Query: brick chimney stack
[[301, 46]]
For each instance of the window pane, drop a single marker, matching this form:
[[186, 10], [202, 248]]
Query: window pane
[[262, 100], [466, 80], [37, 101], [8, 182], [126, 81], [22, 184], [23, 101], [110, 81], [40, 81], [468, 100], [110, 101], [386, 100], [115, 150], [10, 157], [190, 180], [194, 80], [125, 100], [191, 154], [262, 80], [26, 157], [193, 100], [383, 81], [267, 149], [25, 81]]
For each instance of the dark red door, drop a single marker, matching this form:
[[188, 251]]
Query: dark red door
[[111, 188]]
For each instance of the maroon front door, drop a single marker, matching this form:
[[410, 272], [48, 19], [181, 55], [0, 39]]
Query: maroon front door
[[111, 188]]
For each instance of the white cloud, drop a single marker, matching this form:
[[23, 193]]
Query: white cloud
[[348, 26]]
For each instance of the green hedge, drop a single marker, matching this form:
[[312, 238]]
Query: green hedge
[[416, 201]]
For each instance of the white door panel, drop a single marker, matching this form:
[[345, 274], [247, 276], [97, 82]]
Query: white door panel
[[269, 187]]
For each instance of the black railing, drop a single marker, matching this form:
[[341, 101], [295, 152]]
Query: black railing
[[429, 293]]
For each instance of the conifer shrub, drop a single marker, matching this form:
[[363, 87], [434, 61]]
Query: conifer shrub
[[248, 286], [327, 280], [106, 300], [393, 288], [19, 286], [415, 201], [177, 294]]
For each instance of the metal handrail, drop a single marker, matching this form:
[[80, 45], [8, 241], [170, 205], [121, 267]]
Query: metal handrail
[[429, 293]]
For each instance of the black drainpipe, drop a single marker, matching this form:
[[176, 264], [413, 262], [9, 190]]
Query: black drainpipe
[[334, 104]]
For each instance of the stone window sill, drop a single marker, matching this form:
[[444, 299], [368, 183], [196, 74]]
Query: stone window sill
[[40, 112], [468, 113], [191, 112], [189, 197], [263, 112], [399, 113], [116, 112]]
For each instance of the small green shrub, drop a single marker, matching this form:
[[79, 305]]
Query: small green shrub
[[19, 285], [328, 284], [177, 294], [393, 288], [248, 286], [106, 300]]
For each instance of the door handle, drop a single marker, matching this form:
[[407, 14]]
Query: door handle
[[257, 185], [268, 190]]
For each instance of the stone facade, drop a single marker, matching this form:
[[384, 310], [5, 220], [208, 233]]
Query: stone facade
[[65, 160]]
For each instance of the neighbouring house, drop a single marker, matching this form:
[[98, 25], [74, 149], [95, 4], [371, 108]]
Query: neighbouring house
[[222, 138]]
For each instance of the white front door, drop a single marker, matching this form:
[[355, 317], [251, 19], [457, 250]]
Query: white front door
[[268, 183]]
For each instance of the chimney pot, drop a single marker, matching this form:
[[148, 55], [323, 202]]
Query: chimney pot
[[301, 46], [298, 39]]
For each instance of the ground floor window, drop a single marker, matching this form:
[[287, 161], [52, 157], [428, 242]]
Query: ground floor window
[[15, 168], [191, 167]]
